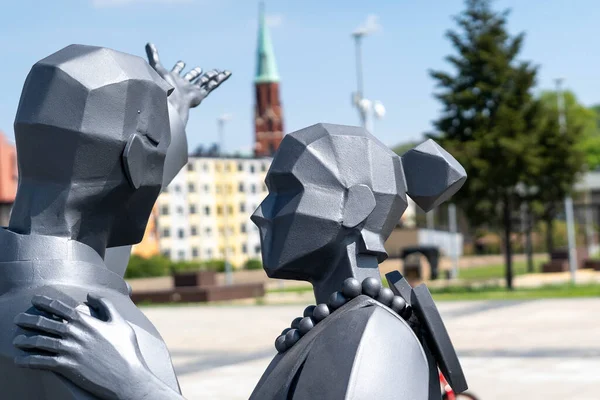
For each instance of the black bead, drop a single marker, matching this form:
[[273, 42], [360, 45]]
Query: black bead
[[308, 311], [398, 304], [407, 312], [385, 296], [305, 325], [371, 287], [286, 330], [292, 337], [336, 300], [321, 312], [280, 344], [351, 288], [295, 322]]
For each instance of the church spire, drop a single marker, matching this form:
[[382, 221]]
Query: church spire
[[266, 68]]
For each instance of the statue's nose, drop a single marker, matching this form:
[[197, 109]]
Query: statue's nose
[[258, 216]]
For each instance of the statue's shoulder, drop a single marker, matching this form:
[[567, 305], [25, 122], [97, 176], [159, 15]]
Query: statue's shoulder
[[353, 354]]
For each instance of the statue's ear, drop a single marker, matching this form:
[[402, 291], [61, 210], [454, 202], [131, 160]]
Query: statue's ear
[[134, 157], [360, 203]]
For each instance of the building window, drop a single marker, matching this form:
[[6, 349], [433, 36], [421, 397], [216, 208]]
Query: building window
[[242, 207], [208, 231], [194, 230], [177, 188], [263, 167], [218, 189], [227, 167], [264, 187], [180, 233], [192, 209], [218, 167], [219, 210], [244, 249], [190, 167], [180, 210], [191, 187], [241, 187], [181, 255], [206, 189], [243, 228], [229, 210], [205, 167], [166, 253], [240, 167], [252, 169], [209, 253], [164, 210], [253, 188], [194, 252], [206, 210], [166, 233], [257, 249]]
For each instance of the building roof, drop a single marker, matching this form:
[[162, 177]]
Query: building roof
[[266, 67]]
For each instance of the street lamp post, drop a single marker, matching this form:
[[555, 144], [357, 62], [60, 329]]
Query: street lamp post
[[358, 95], [562, 123], [371, 110], [221, 130]]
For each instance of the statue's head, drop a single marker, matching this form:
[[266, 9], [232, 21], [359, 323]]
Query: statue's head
[[92, 126], [332, 185], [328, 185]]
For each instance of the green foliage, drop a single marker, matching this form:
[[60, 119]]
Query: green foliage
[[489, 115], [140, 267], [253, 264], [214, 265], [404, 147]]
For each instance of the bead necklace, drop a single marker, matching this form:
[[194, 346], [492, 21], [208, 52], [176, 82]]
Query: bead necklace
[[351, 288]]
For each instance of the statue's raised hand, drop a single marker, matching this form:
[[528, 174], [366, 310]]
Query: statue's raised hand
[[101, 356], [191, 88]]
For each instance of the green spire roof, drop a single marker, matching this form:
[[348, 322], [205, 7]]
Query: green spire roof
[[266, 68]]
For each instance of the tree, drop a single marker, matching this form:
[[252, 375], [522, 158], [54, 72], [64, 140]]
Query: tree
[[592, 140], [563, 156], [489, 117], [404, 147]]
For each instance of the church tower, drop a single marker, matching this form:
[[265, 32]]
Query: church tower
[[268, 115]]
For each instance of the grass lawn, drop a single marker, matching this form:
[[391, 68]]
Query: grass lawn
[[566, 290], [452, 293], [495, 271]]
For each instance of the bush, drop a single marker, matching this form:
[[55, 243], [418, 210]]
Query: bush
[[214, 265], [186, 266], [140, 267], [253, 264]]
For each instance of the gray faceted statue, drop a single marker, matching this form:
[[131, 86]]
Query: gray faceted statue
[[335, 195], [93, 129]]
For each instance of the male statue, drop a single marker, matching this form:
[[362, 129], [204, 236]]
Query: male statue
[[335, 195], [93, 129]]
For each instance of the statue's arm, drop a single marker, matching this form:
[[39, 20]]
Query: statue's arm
[[189, 91], [100, 356]]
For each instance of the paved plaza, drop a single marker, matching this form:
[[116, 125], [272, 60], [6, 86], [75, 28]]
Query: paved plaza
[[544, 349]]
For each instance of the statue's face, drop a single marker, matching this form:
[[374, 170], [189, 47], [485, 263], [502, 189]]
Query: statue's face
[[300, 221]]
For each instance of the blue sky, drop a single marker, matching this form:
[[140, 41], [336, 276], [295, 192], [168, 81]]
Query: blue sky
[[314, 50]]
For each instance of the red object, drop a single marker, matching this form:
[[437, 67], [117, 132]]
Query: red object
[[447, 390]]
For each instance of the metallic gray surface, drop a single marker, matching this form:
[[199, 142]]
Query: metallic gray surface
[[335, 195], [93, 130], [189, 91]]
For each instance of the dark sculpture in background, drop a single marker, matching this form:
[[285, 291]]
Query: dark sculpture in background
[[335, 195], [93, 129]]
